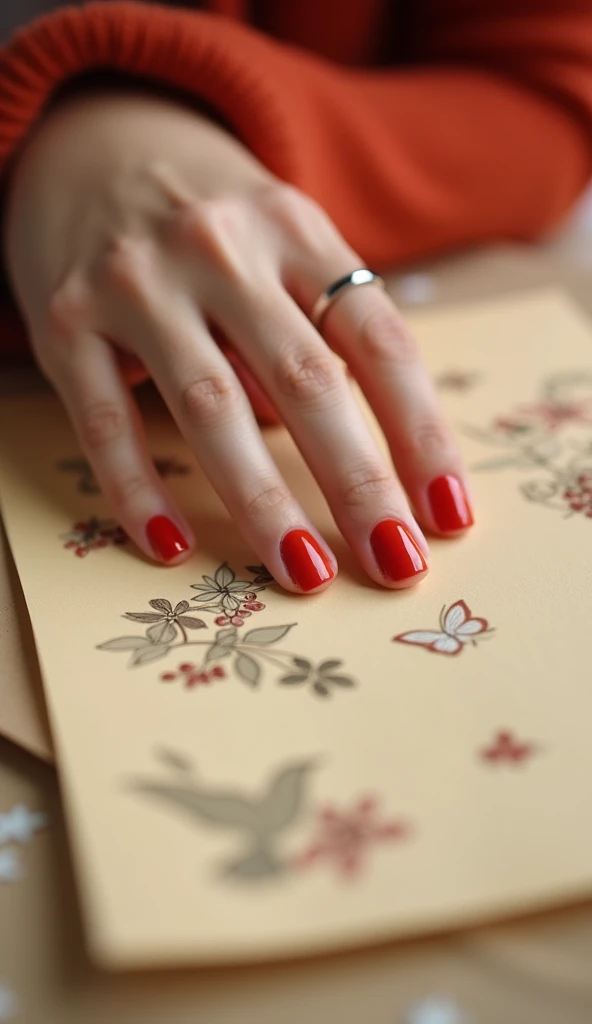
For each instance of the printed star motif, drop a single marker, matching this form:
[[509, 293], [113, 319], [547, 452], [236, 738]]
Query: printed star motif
[[8, 1004], [19, 825], [435, 1011], [506, 748], [11, 868]]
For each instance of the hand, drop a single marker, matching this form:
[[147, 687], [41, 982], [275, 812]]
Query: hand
[[136, 227]]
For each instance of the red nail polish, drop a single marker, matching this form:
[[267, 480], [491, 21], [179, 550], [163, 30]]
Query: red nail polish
[[306, 563], [449, 504], [396, 553], [165, 538]]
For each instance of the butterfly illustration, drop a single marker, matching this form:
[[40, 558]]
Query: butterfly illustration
[[458, 627]]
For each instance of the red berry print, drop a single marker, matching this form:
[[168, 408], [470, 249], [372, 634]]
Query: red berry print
[[93, 535], [186, 667], [168, 677]]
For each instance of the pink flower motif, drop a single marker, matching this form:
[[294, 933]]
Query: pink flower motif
[[344, 837], [231, 620], [92, 535], [553, 415], [506, 748]]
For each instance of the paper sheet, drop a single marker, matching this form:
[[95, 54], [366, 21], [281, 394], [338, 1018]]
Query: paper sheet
[[337, 769]]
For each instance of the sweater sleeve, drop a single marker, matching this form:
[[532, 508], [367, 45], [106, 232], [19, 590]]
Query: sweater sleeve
[[487, 135]]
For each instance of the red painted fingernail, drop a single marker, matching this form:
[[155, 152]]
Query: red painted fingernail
[[449, 504], [396, 553], [306, 563], [165, 538]]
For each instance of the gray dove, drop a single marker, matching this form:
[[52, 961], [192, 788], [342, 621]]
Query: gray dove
[[260, 820]]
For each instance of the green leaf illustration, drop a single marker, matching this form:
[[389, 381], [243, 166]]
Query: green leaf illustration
[[152, 652], [328, 666], [267, 634], [124, 643], [224, 575], [248, 669], [320, 689], [339, 680], [161, 633], [143, 616], [302, 663], [293, 680]]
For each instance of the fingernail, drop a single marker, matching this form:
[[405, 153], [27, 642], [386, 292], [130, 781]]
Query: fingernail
[[397, 555], [449, 504], [165, 538], [306, 563]]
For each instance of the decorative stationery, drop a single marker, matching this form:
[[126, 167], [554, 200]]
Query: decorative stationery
[[250, 774]]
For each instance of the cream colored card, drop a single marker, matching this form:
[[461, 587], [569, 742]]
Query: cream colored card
[[326, 771]]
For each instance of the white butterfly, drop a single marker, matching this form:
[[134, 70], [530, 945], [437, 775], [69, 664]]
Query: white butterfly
[[457, 628]]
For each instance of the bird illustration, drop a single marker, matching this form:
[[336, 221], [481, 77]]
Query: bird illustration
[[261, 819]]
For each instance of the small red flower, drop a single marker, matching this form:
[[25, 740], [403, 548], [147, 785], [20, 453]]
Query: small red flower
[[506, 748], [344, 837], [93, 535]]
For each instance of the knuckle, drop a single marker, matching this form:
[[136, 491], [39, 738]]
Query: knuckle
[[267, 498], [368, 481], [384, 335], [125, 264], [209, 400], [307, 376], [68, 308], [218, 229], [429, 440], [127, 490], [101, 424], [299, 217]]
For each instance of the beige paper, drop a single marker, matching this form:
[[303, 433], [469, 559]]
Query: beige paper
[[239, 811], [22, 711]]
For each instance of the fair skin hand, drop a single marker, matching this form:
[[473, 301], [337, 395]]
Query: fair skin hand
[[135, 228]]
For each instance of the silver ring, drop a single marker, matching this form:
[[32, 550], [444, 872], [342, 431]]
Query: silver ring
[[327, 298]]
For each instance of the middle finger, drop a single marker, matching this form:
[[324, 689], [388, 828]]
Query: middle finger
[[307, 383]]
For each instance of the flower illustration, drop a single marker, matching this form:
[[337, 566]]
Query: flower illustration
[[224, 594], [322, 678], [533, 437], [246, 654], [506, 748], [92, 535], [344, 837], [165, 617]]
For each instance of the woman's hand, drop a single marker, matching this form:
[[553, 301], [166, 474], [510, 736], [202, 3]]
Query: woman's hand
[[137, 227]]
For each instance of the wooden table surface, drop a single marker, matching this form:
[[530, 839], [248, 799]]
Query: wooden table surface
[[534, 971]]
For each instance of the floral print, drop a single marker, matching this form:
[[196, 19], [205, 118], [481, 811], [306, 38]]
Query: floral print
[[344, 838], [546, 437], [245, 654], [92, 535]]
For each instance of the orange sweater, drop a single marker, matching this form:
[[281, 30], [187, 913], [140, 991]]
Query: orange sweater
[[420, 126]]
